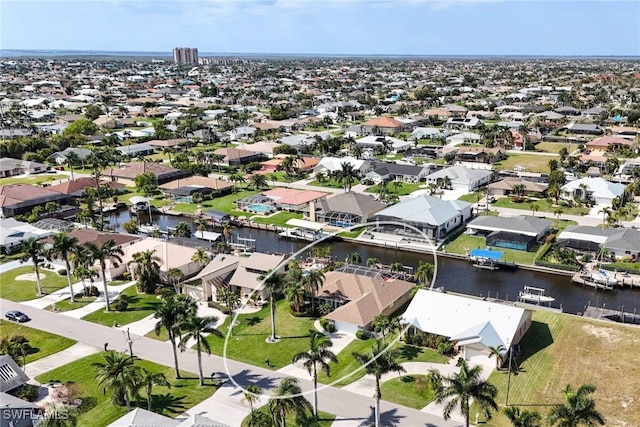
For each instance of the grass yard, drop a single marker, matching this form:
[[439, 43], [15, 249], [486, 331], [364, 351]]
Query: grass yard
[[347, 364], [472, 197], [465, 243], [164, 335], [406, 188], [33, 180], [253, 330], [42, 343], [331, 183], [412, 391], [554, 147], [279, 219], [529, 162], [97, 408], [227, 204], [562, 349], [324, 418], [8, 258], [66, 305], [352, 234], [140, 306], [24, 290], [544, 205]]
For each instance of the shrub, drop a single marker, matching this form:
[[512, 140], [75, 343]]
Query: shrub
[[328, 325], [407, 378], [362, 335], [28, 392], [93, 291], [445, 348], [126, 275], [122, 304], [62, 272], [223, 308]]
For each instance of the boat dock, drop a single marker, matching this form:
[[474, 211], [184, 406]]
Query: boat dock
[[618, 316], [586, 280]]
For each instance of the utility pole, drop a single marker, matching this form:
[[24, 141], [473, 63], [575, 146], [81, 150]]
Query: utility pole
[[506, 401], [129, 341]]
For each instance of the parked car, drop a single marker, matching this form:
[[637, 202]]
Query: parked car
[[17, 316], [491, 199]]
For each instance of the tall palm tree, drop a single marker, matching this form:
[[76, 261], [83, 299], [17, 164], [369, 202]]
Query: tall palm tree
[[497, 352], [202, 227], [295, 293], [424, 272], [64, 246], [182, 229], [579, 409], [318, 355], [288, 399], [227, 231], [382, 323], [258, 182], [71, 160], [520, 418], [534, 208], [354, 258], [252, 395], [108, 251], [175, 276], [148, 379], [348, 175], [200, 257], [378, 363], [34, 251], [313, 280], [172, 313], [273, 283], [119, 374], [147, 270], [464, 386], [194, 328]]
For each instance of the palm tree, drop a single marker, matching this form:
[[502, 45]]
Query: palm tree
[[194, 328], [148, 379], [200, 257], [259, 419], [464, 386], [497, 353], [318, 355], [175, 276], [372, 262], [182, 230], [287, 399], [295, 292], [34, 251], [520, 418], [146, 269], [557, 212], [348, 175], [313, 280], [100, 254], [579, 408], [273, 282], [258, 182], [424, 272], [227, 231], [378, 363], [382, 323], [171, 314], [64, 246], [534, 208], [119, 374], [606, 213], [354, 258], [202, 227], [251, 395], [72, 159]]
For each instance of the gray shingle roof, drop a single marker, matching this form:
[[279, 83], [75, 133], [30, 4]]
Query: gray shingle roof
[[521, 224], [425, 209], [350, 202], [11, 376]]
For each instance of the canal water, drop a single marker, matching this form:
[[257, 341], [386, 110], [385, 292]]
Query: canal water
[[453, 274]]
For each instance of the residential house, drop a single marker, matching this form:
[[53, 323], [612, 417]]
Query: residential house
[[382, 126], [290, 199], [13, 233], [263, 147], [397, 172], [344, 209], [237, 157], [519, 233], [461, 178], [12, 167], [473, 325], [333, 164], [128, 173], [60, 157], [357, 299], [629, 166], [77, 187], [16, 199], [304, 164], [480, 155], [584, 129], [136, 150], [181, 190], [382, 143], [505, 187], [464, 138], [160, 144], [430, 215], [16, 412], [430, 133], [609, 143], [463, 123], [619, 242], [598, 189]]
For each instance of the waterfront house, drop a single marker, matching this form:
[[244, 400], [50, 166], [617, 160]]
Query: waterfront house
[[432, 216], [182, 190], [16, 199], [461, 178], [519, 233], [290, 199], [128, 173], [77, 187], [619, 242], [13, 233], [473, 325], [344, 209]]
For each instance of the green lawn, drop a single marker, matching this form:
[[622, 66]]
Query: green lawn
[[164, 335], [554, 147], [278, 219], [66, 305], [158, 200], [464, 243], [325, 419], [227, 204], [7, 258], [24, 290], [42, 343], [530, 162], [352, 234], [561, 349], [97, 408], [348, 365], [472, 197], [331, 183], [405, 189], [253, 330], [140, 306], [33, 180], [544, 205], [412, 391]]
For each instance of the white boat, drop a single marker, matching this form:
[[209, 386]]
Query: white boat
[[536, 295], [302, 234], [603, 278], [148, 229]]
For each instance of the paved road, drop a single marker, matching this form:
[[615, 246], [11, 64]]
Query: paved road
[[333, 400]]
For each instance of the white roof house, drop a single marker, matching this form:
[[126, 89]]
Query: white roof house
[[598, 189], [474, 324], [462, 178], [376, 142], [331, 164]]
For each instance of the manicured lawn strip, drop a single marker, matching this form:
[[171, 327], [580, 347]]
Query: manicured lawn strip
[[227, 204], [66, 305], [464, 243], [13, 257], [561, 349], [531, 162], [33, 180], [405, 189], [164, 335], [24, 290], [472, 197], [97, 409], [554, 147], [279, 219], [253, 330], [627, 265], [544, 205], [410, 353], [414, 394], [352, 234], [43, 343], [331, 183], [140, 306], [325, 419]]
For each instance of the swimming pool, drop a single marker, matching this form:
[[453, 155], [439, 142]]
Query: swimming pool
[[260, 208]]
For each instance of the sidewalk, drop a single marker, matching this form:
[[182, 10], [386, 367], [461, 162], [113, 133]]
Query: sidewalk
[[114, 291], [71, 354]]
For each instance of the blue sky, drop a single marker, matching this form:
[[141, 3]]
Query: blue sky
[[419, 27]]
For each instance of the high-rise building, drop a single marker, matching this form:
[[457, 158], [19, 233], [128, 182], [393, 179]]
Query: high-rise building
[[185, 55]]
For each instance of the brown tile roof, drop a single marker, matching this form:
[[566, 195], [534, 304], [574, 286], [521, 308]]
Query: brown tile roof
[[131, 170], [98, 237], [167, 142], [605, 141], [199, 181], [383, 122], [16, 193], [78, 185]]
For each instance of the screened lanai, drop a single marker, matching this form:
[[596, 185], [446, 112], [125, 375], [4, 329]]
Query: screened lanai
[[339, 219]]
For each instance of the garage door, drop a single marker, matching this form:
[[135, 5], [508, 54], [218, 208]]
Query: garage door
[[478, 357], [346, 327]]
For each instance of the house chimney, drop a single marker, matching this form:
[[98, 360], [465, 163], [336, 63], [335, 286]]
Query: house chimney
[[312, 210]]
